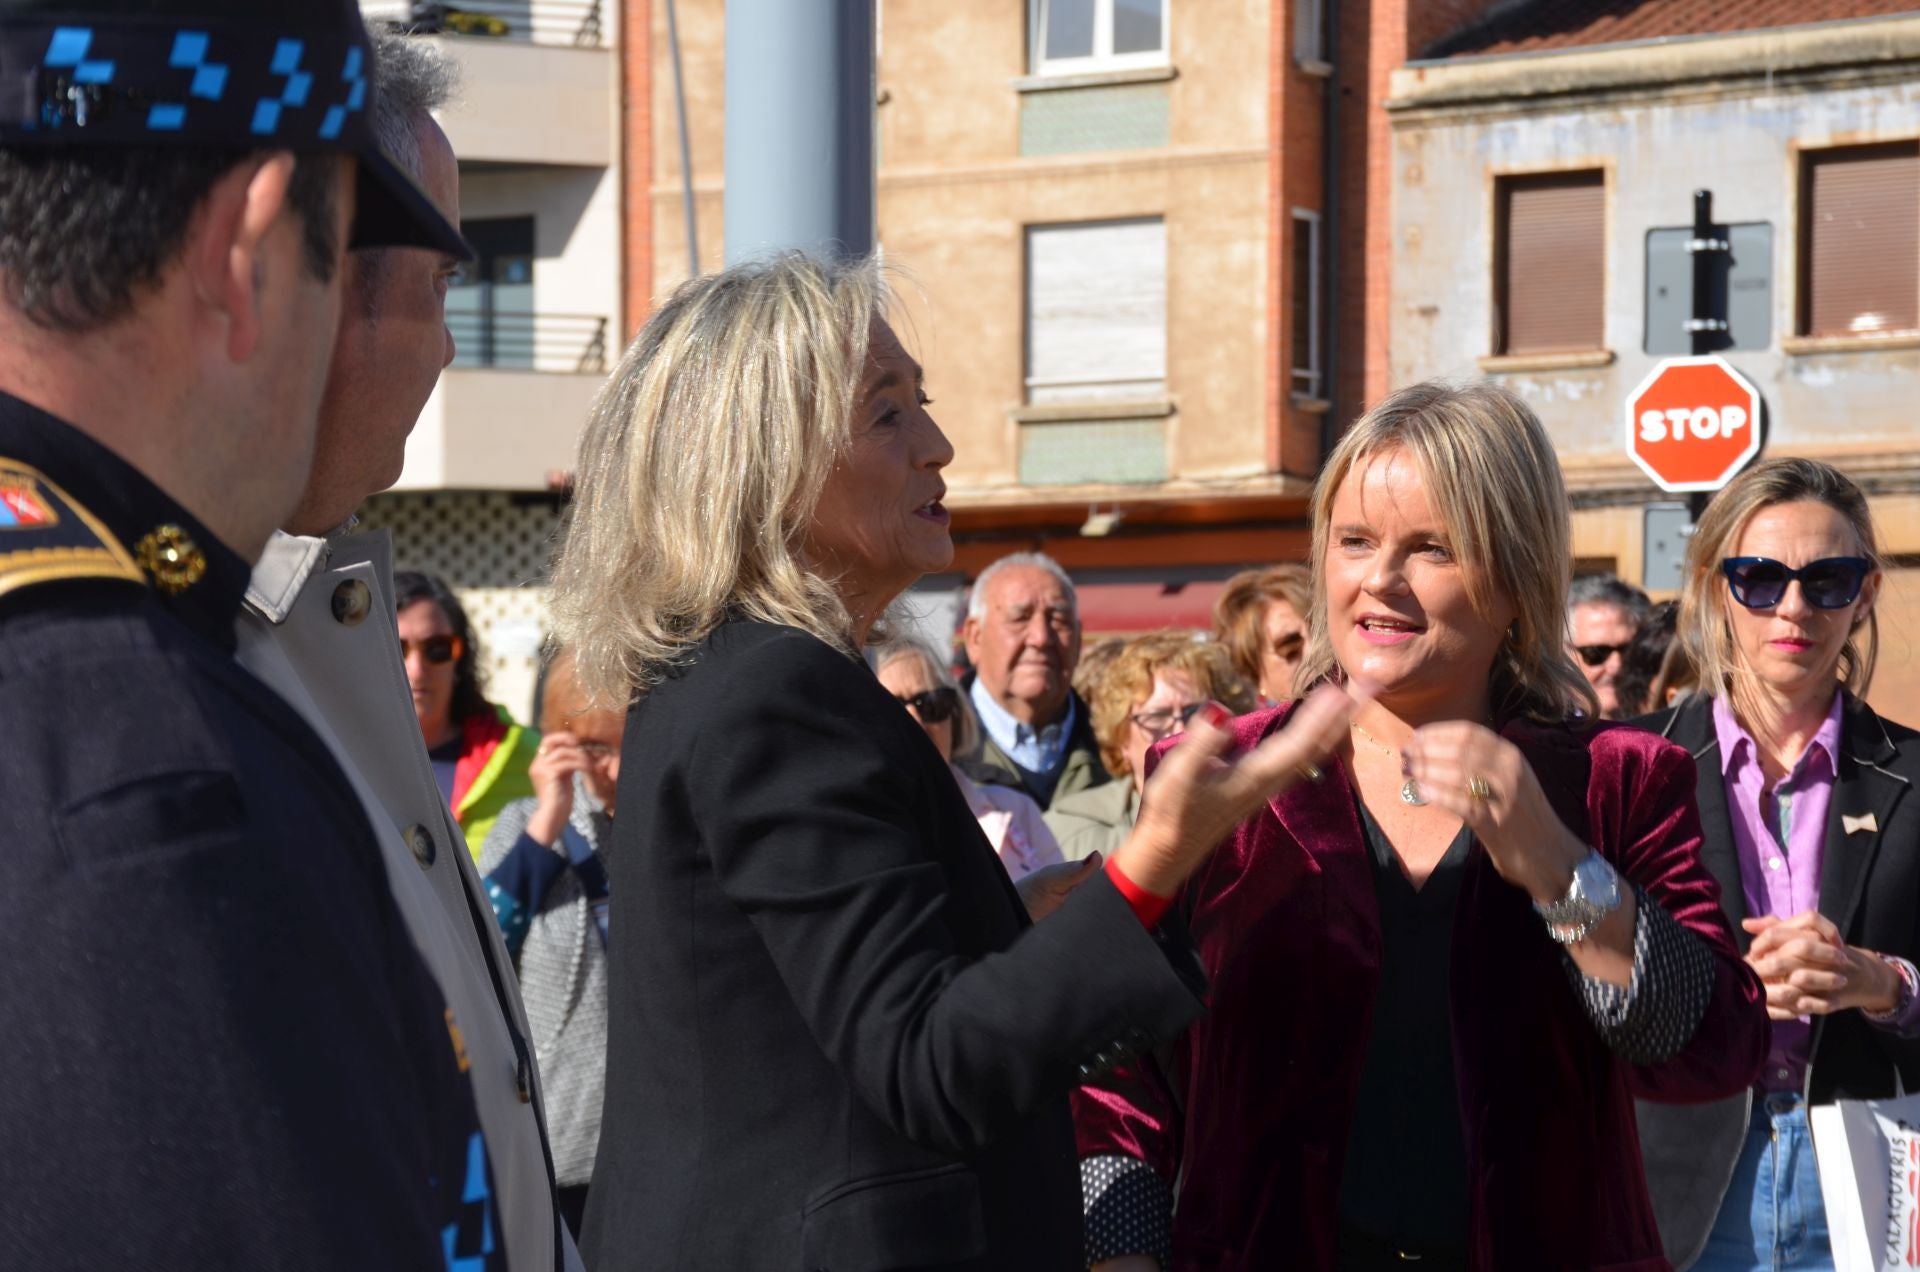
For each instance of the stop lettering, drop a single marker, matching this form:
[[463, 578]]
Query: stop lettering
[[1693, 423]]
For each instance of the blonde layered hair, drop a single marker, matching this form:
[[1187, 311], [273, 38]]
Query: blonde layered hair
[[1706, 625], [702, 464], [1128, 682], [1490, 471]]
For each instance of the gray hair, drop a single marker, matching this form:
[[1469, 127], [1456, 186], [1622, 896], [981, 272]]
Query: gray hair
[[966, 728], [413, 79], [977, 597], [1609, 589]]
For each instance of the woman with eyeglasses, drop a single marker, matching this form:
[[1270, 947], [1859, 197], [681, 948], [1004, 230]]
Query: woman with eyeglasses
[[836, 1040], [480, 755], [1008, 817], [1814, 834], [1148, 694]]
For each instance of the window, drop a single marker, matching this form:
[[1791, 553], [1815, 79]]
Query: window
[[1310, 31], [1306, 303], [1860, 240], [1097, 311], [1074, 36], [1550, 263], [490, 305]]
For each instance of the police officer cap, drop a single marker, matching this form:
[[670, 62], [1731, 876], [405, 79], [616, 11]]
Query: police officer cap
[[251, 74]]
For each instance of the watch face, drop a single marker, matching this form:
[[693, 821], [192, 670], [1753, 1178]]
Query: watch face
[[1596, 882]]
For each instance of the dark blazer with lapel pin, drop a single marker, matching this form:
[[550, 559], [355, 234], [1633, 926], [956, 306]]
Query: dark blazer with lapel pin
[[835, 1041], [1869, 887]]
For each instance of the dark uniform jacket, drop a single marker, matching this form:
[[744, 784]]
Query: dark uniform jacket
[[219, 1049], [835, 1040], [1869, 887]]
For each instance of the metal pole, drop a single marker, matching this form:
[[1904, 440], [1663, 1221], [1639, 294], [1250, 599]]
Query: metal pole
[[800, 84], [686, 148], [1701, 331]]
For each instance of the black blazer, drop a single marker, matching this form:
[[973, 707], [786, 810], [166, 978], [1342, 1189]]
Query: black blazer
[[1869, 887], [835, 1040]]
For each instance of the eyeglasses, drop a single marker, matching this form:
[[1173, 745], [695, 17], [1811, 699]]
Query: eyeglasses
[[598, 752], [1594, 655], [1167, 720], [933, 706], [438, 650], [1830, 583]]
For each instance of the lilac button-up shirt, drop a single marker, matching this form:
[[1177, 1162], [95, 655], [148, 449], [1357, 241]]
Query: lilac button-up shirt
[[1779, 837]]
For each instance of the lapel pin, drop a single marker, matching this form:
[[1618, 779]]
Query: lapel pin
[[1865, 821]]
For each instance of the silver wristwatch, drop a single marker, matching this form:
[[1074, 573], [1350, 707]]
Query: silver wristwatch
[[1594, 894]]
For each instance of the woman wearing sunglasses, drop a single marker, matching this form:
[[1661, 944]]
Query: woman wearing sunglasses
[[480, 756], [1814, 835], [1007, 815], [1147, 695]]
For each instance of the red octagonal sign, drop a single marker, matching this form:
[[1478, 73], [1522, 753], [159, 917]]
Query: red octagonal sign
[[1693, 423]]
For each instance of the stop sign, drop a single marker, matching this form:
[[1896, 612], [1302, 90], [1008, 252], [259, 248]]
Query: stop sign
[[1693, 423]]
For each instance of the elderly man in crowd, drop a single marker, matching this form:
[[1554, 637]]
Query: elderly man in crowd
[[318, 626], [1022, 635], [223, 1049], [1603, 613]]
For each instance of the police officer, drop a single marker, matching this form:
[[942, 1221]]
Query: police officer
[[318, 627], [220, 1047]]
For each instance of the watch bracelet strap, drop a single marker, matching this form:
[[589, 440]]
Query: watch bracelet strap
[[1568, 921]]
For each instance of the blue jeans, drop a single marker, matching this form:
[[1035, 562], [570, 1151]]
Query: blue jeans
[[1773, 1217]]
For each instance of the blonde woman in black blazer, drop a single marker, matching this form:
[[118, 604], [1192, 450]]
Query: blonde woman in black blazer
[[837, 1041]]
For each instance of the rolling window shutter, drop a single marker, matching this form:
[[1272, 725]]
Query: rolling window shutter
[[1863, 241], [1553, 269]]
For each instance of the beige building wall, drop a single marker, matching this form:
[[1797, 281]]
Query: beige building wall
[[1732, 114], [956, 195]]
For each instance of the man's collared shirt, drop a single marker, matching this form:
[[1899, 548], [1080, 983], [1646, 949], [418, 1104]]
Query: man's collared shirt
[[1041, 750]]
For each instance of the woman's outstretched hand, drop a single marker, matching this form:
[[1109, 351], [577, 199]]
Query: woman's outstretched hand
[[1201, 791], [1043, 890]]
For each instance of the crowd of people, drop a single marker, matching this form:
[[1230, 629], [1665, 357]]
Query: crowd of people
[[1436, 907]]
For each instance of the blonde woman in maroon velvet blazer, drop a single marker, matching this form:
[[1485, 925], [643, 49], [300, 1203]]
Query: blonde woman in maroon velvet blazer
[[1440, 974]]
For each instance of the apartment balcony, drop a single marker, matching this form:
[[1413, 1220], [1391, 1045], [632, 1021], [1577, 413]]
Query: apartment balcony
[[510, 408], [539, 77]]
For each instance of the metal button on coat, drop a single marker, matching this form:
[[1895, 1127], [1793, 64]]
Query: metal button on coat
[[420, 842], [352, 601]]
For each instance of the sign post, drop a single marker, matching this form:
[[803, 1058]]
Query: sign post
[[1693, 423]]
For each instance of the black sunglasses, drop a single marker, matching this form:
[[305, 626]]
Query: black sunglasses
[[1594, 655], [933, 706], [1830, 583], [438, 650]]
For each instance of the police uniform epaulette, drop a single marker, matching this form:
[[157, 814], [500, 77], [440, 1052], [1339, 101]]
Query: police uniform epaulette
[[46, 536]]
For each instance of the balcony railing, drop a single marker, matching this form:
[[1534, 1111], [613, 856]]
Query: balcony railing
[[576, 22], [563, 343]]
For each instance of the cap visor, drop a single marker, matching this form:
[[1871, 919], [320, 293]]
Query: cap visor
[[391, 211]]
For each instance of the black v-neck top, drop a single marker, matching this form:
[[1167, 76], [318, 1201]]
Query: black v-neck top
[[1405, 1182]]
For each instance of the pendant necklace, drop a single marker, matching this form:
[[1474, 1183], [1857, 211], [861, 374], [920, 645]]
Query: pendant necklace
[[1409, 789]]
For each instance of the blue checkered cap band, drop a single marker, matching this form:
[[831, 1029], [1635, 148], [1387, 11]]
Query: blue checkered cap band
[[124, 81], [144, 82]]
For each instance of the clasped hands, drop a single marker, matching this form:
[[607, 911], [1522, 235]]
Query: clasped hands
[[1807, 970]]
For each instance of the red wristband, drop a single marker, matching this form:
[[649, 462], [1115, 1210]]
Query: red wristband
[[1146, 906]]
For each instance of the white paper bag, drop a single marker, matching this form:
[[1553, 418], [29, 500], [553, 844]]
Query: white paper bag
[[1868, 1152]]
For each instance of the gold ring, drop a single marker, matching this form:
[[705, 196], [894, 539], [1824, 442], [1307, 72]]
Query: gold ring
[[1478, 788], [1312, 773]]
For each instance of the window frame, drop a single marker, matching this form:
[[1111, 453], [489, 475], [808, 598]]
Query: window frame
[[1103, 58], [1309, 221], [1152, 387], [1503, 187], [1806, 161]]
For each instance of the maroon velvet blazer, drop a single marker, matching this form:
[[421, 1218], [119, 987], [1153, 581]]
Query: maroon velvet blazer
[[1286, 923]]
